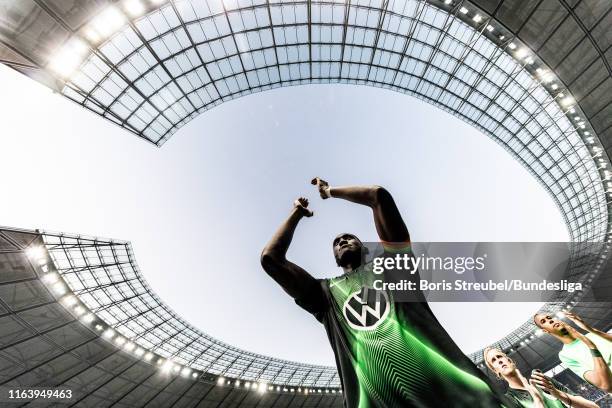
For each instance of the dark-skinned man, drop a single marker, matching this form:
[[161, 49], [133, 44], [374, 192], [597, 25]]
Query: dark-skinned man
[[588, 355], [388, 353]]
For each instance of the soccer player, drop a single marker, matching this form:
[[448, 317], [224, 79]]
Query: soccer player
[[588, 355], [388, 353], [539, 392]]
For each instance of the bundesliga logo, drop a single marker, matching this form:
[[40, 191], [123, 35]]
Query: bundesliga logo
[[366, 309]]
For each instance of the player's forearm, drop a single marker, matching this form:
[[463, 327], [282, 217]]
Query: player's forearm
[[603, 335], [576, 401], [602, 374], [277, 247], [365, 195]]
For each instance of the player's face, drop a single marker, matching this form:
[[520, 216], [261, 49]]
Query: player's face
[[347, 249], [550, 324], [500, 362]]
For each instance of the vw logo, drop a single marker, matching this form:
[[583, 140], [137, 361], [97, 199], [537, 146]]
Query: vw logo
[[366, 308]]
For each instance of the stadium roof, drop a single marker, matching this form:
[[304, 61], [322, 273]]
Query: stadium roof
[[533, 75], [506, 67], [52, 338]]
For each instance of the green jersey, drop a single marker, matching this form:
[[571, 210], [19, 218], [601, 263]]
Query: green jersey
[[577, 357], [393, 354], [525, 400]]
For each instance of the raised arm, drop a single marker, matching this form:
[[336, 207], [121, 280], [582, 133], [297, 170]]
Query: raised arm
[[600, 376], [387, 218], [580, 322], [293, 279], [559, 392]]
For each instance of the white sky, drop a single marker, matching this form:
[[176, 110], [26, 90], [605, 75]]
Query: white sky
[[199, 210]]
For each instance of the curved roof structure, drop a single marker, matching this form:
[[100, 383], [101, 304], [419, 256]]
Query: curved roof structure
[[151, 66], [52, 338], [533, 75], [104, 276]]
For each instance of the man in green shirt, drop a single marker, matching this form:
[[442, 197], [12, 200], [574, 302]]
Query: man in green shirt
[[537, 392], [588, 355], [388, 353]]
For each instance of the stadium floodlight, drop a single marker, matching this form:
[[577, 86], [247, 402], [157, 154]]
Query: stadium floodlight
[[194, 375], [587, 133], [463, 10], [68, 58], [512, 46], [88, 318], [92, 35], [108, 334], [35, 252], [262, 387], [148, 356], [521, 53], [120, 340], [59, 288], [448, 1], [477, 18], [129, 346], [79, 310], [547, 77], [554, 87], [220, 381], [134, 7], [567, 101], [50, 278], [490, 28], [139, 352], [107, 22], [166, 366], [69, 300]]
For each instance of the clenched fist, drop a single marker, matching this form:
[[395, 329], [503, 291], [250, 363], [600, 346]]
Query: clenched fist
[[322, 186], [301, 204]]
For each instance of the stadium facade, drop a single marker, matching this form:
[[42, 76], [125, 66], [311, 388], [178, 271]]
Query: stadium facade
[[533, 75]]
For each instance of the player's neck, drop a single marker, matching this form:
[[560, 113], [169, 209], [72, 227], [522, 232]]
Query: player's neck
[[514, 380], [567, 339], [349, 268]]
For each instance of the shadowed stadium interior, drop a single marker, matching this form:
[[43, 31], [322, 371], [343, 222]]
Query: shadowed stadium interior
[[533, 75]]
